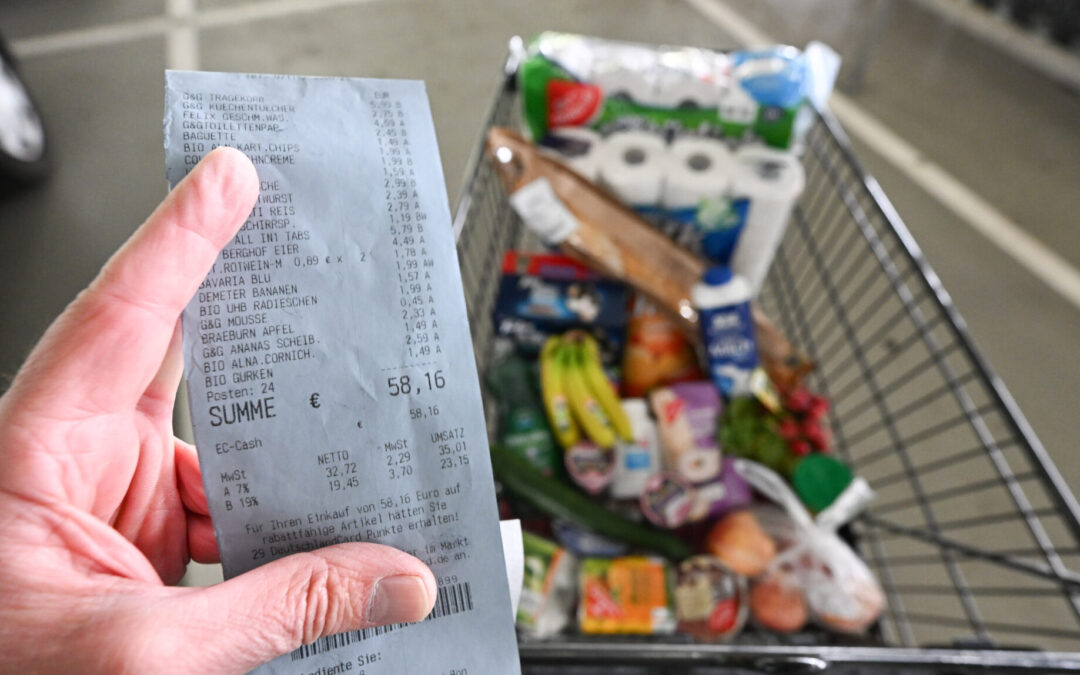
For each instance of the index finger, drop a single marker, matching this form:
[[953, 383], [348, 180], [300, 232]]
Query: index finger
[[120, 326]]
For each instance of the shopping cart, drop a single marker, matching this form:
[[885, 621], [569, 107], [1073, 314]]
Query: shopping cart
[[974, 534]]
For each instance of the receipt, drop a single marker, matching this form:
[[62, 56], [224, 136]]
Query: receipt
[[333, 390]]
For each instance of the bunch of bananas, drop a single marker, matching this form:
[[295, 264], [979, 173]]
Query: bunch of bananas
[[578, 397]]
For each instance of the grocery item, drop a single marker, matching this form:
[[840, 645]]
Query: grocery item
[[632, 81], [590, 466], [522, 425], [656, 351], [723, 303], [625, 595], [777, 438], [584, 543], [738, 540], [802, 426], [770, 182], [553, 391], [728, 492], [548, 587], [577, 147], [638, 459], [530, 308], [598, 383], [572, 79], [787, 367], [578, 395], [593, 227], [686, 415], [841, 593], [819, 480], [711, 601], [578, 80], [762, 388], [773, 83], [633, 166], [777, 603], [559, 500], [667, 501], [853, 500], [688, 88], [854, 608], [587, 412], [546, 266]]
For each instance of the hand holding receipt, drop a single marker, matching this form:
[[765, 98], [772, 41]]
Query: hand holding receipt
[[333, 390]]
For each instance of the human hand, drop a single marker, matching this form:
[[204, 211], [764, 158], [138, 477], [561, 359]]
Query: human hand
[[101, 506]]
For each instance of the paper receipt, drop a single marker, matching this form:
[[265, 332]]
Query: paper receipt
[[333, 390]]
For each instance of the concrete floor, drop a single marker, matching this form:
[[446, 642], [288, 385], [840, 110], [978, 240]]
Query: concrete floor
[[1002, 129]]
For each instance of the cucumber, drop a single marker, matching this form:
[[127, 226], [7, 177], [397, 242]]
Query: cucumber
[[559, 500]]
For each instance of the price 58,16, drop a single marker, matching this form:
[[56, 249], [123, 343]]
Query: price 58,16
[[403, 384]]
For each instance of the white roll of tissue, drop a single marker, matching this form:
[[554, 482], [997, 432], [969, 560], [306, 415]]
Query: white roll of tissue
[[771, 180], [697, 169], [577, 147], [632, 166]]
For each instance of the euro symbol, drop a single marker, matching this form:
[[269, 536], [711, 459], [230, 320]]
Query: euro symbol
[[314, 400]]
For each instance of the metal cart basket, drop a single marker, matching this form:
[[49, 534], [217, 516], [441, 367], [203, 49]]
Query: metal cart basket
[[974, 535]]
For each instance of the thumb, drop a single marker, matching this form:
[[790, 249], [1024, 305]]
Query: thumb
[[271, 610]]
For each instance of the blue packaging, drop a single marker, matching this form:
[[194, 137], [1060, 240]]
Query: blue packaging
[[723, 303], [531, 308]]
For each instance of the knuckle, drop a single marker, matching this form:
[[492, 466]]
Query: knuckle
[[320, 599]]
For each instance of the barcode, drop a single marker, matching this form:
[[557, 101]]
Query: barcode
[[451, 600]]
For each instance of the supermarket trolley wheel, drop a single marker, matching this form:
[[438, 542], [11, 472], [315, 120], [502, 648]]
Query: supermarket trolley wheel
[[24, 155]]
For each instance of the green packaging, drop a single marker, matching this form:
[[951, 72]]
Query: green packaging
[[523, 428], [573, 80], [547, 592]]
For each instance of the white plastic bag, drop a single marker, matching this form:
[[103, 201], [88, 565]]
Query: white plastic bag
[[841, 592]]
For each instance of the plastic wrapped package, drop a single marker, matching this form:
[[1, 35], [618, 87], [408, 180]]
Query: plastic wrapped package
[[841, 593]]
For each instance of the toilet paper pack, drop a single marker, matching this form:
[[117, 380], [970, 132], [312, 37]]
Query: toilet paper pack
[[683, 188], [577, 80]]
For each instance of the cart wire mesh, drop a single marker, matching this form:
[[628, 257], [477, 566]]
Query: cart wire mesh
[[974, 534]]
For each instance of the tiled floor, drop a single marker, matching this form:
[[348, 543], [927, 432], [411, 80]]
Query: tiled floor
[[1000, 128]]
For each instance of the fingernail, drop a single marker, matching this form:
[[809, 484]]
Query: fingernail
[[398, 600]]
